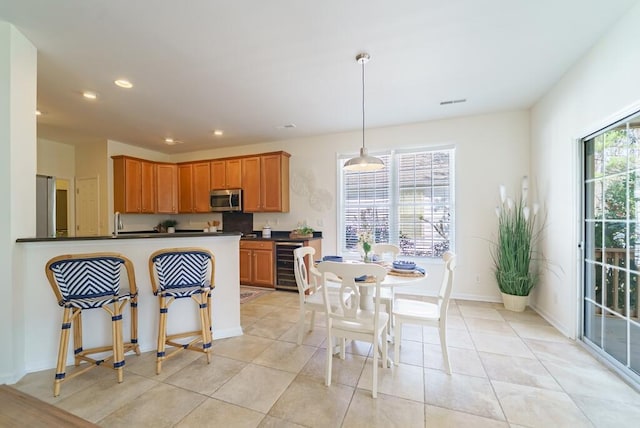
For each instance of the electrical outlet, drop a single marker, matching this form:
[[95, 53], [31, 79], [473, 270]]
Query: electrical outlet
[[477, 279], [319, 222]]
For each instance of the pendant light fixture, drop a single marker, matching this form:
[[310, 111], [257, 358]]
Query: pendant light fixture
[[364, 162]]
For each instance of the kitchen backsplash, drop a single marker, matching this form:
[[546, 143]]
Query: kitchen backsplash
[[237, 222], [145, 222], [232, 222]]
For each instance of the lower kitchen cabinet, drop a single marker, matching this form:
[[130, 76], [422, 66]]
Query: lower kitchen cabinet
[[256, 263]]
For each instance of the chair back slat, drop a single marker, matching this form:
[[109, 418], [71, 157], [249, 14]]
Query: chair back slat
[[349, 306], [87, 277], [300, 270], [444, 294]]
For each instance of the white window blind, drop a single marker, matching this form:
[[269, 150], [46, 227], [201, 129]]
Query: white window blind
[[409, 203]]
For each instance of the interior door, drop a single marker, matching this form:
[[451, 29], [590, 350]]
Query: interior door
[[87, 206], [62, 204]]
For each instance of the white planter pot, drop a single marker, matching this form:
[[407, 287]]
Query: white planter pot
[[171, 229], [514, 303]]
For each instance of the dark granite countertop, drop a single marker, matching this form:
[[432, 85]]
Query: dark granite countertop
[[133, 235], [279, 236]]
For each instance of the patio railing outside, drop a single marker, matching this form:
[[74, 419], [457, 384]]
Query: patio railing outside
[[613, 295]]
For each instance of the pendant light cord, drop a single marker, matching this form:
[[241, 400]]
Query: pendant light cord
[[363, 104]]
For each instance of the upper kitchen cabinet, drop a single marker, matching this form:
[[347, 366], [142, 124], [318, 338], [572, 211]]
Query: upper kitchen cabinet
[[194, 181], [166, 188], [251, 200], [133, 185], [265, 182], [226, 174]]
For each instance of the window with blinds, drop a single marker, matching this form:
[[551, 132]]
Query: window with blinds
[[409, 203]]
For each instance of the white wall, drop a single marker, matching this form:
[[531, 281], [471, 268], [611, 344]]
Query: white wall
[[56, 159], [491, 149], [59, 160], [18, 59], [597, 90]]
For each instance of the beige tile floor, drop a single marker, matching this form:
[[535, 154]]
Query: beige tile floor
[[509, 370]]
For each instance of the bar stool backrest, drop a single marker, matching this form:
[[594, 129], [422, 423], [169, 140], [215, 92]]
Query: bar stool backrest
[[181, 269], [85, 277]]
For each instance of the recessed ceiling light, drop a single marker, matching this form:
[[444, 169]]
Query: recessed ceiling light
[[38, 113], [123, 83], [90, 95], [218, 132], [172, 142]]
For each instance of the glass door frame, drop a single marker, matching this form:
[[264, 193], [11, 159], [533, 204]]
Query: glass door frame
[[600, 348]]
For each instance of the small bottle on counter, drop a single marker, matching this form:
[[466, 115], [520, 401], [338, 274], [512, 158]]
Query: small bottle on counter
[[266, 231]]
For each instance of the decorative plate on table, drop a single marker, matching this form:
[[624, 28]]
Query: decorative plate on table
[[403, 265]]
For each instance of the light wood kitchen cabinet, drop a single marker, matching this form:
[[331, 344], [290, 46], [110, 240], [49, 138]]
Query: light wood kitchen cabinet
[[148, 187], [274, 175], [166, 188], [226, 174], [257, 263], [201, 187], [265, 182], [141, 186], [251, 198], [193, 187], [133, 185], [185, 188]]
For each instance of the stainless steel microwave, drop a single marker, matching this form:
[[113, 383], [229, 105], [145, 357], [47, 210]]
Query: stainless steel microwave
[[226, 200]]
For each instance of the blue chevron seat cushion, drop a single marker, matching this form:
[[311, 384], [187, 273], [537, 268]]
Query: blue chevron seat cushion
[[181, 274], [88, 283]]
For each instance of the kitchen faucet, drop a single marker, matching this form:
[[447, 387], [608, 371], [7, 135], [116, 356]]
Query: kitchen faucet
[[117, 223]]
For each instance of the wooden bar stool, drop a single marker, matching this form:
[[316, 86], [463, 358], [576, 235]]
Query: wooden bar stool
[[88, 281], [178, 273]]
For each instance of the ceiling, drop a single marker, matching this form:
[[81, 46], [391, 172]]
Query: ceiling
[[249, 67]]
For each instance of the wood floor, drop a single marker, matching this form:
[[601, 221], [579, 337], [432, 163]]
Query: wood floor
[[18, 409]]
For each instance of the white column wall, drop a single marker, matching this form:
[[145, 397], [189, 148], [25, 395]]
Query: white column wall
[[600, 88], [18, 62]]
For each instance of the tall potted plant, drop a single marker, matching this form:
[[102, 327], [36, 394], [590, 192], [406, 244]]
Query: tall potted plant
[[513, 252]]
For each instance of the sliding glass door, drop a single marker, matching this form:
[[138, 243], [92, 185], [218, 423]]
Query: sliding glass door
[[611, 189]]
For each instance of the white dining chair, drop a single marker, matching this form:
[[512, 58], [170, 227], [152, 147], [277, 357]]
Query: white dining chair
[[382, 249], [310, 284], [410, 311], [348, 321]]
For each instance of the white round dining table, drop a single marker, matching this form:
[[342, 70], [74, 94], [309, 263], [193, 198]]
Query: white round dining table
[[392, 279]]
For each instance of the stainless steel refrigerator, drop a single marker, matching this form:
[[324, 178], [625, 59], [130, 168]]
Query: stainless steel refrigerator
[[45, 206]]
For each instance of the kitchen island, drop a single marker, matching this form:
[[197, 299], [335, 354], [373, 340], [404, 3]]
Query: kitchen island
[[42, 315]]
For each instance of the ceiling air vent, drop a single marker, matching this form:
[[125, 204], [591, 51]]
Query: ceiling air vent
[[461, 100]]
